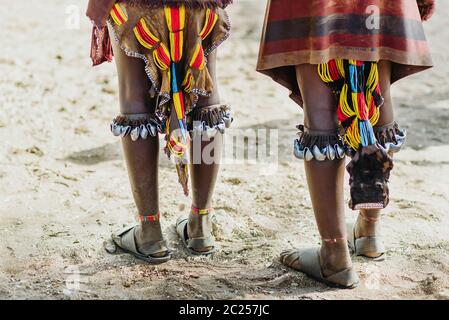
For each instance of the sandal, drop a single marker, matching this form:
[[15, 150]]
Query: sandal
[[369, 247], [310, 265], [193, 245], [125, 240]]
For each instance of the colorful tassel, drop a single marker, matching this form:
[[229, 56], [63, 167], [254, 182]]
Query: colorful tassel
[[176, 147], [178, 102], [211, 20], [175, 17], [198, 61], [118, 14], [187, 84], [147, 39], [360, 98]]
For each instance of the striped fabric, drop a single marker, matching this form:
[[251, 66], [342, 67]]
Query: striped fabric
[[314, 32], [189, 3]]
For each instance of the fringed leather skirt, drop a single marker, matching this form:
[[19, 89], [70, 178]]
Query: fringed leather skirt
[[173, 38], [142, 31]]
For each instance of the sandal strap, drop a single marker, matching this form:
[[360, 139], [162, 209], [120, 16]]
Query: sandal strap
[[202, 212], [126, 240], [311, 265], [155, 248], [149, 218], [201, 242]]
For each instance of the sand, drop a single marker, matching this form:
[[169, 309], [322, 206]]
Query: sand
[[64, 186]]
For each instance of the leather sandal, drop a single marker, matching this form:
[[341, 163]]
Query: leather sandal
[[308, 262], [194, 245]]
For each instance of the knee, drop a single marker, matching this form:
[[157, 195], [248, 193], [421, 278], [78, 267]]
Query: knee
[[136, 100], [321, 119], [132, 103]]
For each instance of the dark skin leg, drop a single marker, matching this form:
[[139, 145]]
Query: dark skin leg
[[325, 179], [366, 224], [141, 156], [204, 174]]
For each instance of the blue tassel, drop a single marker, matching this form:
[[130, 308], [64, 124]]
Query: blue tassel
[[174, 79], [367, 133], [353, 77]]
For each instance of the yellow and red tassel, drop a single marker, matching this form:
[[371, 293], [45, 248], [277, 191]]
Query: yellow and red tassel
[[176, 18], [147, 39], [187, 84], [118, 14], [211, 20], [198, 61]]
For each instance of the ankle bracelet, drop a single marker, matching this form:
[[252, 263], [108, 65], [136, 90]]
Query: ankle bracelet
[[201, 212], [369, 219], [333, 240], [150, 218]]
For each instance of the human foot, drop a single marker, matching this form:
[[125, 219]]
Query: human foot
[[331, 266], [147, 234], [364, 237], [334, 256], [196, 231], [200, 225], [144, 241]]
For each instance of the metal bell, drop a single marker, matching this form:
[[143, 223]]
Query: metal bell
[[308, 155], [297, 150], [135, 133], [318, 154], [401, 138], [330, 152], [339, 151], [143, 132], [228, 119], [221, 127], [125, 131], [402, 135], [116, 129], [152, 130]]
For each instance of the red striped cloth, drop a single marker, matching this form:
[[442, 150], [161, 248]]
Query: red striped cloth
[[314, 32]]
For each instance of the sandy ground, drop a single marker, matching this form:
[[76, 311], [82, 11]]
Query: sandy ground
[[64, 187]]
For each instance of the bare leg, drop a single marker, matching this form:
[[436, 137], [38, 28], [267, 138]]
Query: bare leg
[[368, 220], [325, 179], [204, 175], [142, 155]]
